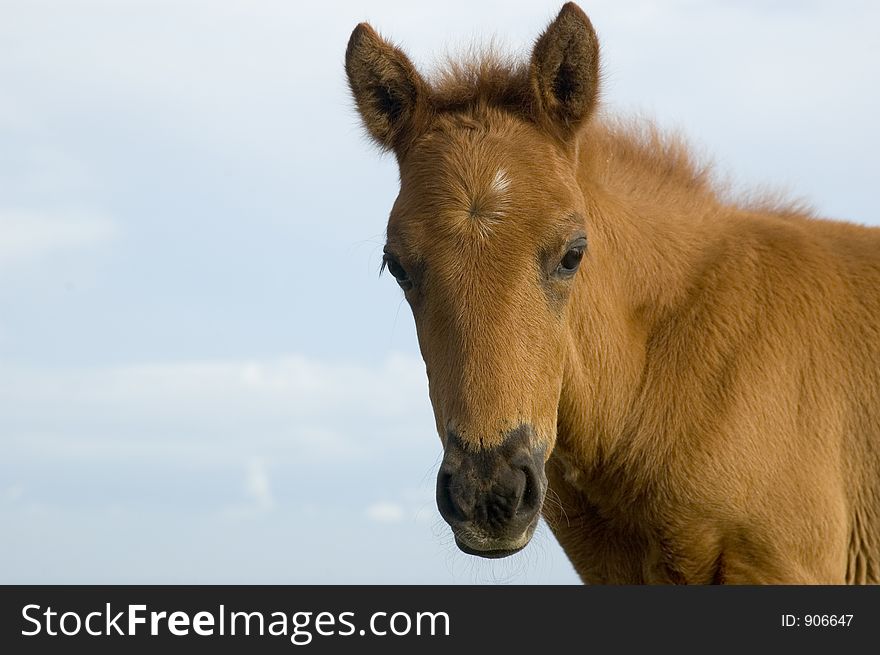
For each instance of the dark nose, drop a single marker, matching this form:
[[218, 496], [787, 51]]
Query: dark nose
[[491, 497]]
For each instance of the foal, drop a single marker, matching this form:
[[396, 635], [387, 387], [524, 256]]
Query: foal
[[696, 383]]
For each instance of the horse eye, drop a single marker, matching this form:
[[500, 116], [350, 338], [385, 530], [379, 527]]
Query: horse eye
[[571, 260], [390, 262]]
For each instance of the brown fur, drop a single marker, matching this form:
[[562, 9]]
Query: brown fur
[[707, 385]]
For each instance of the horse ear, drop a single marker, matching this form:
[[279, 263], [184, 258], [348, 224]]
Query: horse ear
[[564, 72], [390, 94]]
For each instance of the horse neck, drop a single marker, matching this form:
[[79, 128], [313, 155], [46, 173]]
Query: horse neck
[[652, 221]]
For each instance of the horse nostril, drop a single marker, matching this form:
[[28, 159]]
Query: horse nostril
[[531, 496], [446, 503]]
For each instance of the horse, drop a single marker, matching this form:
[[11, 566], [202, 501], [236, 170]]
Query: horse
[[685, 385]]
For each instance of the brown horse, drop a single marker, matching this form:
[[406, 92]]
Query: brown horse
[[687, 387]]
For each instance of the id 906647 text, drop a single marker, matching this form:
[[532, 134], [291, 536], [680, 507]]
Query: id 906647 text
[[817, 620]]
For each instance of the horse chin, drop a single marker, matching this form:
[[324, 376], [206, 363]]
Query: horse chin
[[492, 553], [472, 543]]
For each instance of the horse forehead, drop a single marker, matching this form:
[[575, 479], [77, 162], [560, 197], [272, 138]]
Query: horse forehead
[[485, 196], [459, 204], [474, 187], [475, 191], [500, 184]]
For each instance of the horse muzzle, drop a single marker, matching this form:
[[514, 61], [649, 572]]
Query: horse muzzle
[[492, 498]]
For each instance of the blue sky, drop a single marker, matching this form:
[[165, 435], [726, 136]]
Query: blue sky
[[202, 379]]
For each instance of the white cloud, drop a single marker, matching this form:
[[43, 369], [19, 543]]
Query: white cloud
[[256, 484], [321, 409], [28, 235], [385, 512], [258, 499]]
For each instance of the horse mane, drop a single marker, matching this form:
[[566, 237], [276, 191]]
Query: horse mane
[[485, 78], [643, 159], [630, 146]]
